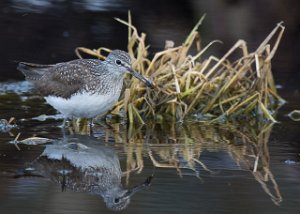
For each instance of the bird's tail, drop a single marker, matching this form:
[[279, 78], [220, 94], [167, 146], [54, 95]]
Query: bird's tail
[[32, 71]]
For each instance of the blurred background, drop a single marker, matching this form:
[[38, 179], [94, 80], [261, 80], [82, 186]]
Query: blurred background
[[48, 31]]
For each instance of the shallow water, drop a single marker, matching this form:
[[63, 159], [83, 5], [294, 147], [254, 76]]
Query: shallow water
[[195, 168]]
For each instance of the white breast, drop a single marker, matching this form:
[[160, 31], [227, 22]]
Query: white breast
[[83, 105]]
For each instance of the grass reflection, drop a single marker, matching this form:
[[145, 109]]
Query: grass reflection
[[180, 147], [185, 147]]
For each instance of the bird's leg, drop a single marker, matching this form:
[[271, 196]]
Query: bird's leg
[[63, 131], [64, 123], [91, 124], [63, 127]]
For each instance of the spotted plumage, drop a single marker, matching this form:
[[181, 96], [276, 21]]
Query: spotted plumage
[[82, 87]]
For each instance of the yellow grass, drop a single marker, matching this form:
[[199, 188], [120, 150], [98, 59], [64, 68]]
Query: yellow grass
[[191, 86]]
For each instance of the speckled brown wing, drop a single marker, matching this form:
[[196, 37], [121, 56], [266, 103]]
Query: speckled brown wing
[[62, 79]]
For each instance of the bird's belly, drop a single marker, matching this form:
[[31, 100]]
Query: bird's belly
[[83, 105]]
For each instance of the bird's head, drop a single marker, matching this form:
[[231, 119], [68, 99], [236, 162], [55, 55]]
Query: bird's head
[[121, 62]]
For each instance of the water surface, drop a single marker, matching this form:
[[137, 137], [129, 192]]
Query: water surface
[[194, 166]]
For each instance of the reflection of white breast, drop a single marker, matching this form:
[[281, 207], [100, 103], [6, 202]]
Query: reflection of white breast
[[83, 105], [84, 157]]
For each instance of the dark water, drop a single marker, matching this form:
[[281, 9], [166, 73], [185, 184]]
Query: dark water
[[195, 168]]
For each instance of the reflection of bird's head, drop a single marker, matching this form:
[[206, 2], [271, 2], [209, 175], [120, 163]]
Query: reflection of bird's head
[[117, 202], [119, 199]]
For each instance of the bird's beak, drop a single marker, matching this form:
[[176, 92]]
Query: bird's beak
[[140, 77]]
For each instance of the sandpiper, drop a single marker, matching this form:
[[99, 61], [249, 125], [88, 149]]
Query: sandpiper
[[82, 88]]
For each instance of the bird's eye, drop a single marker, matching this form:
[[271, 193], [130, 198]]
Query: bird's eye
[[117, 200], [118, 62]]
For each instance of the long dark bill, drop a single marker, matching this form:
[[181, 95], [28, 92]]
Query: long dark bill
[[141, 78]]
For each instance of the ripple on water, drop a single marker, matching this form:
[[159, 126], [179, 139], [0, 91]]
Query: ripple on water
[[16, 87]]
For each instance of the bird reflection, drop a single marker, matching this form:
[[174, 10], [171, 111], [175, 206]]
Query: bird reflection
[[83, 164]]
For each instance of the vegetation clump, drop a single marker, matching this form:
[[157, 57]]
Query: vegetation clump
[[190, 86]]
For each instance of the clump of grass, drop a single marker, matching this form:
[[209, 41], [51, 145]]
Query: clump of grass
[[208, 89]]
